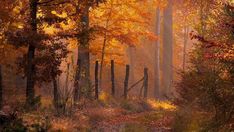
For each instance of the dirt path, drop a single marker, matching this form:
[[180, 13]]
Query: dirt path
[[144, 121]]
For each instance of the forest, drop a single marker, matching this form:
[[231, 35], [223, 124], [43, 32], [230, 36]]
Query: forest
[[116, 65]]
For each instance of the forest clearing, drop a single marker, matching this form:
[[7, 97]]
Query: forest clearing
[[116, 65]]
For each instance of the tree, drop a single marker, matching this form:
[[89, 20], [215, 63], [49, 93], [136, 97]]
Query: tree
[[31, 35], [6, 20], [167, 66], [121, 25], [82, 81], [157, 56], [30, 92], [208, 84]]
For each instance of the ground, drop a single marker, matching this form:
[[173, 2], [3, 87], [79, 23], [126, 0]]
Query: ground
[[105, 115]]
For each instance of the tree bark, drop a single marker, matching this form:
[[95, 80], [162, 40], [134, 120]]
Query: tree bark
[[77, 84], [30, 92], [56, 96], [83, 53], [145, 83], [126, 82], [96, 80], [104, 45], [112, 77], [185, 46], [131, 51], [103, 57], [1, 88], [167, 49], [157, 57]]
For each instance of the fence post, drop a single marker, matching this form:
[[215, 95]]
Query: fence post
[[96, 80], [113, 77], [126, 81], [145, 82]]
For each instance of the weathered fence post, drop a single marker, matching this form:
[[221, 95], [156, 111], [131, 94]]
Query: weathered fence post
[[96, 80], [112, 78], [145, 82], [126, 82]]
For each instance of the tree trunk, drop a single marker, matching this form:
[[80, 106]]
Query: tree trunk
[[167, 49], [30, 92], [157, 57], [126, 82], [104, 44], [145, 82], [131, 51], [112, 77], [185, 46], [77, 84], [96, 80], [56, 96], [83, 53], [103, 57], [1, 88]]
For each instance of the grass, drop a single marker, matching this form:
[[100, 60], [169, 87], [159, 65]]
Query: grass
[[165, 105], [131, 127]]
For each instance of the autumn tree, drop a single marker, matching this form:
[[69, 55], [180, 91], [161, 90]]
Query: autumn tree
[[167, 66], [157, 56], [6, 18], [82, 80], [209, 81], [121, 25], [41, 46]]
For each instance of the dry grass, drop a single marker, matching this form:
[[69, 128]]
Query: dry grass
[[165, 105], [93, 113]]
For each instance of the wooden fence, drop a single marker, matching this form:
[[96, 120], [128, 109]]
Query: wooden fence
[[126, 87]]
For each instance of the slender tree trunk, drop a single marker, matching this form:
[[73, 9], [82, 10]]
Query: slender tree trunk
[[77, 84], [167, 49], [202, 17], [83, 53], [112, 77], [96, 80], [67, 80], [1, 88], [102, 59], [126, 82], [157, 57], [30, 92], [132, 64], [145, 82], [104, 45], [185, 46], [55, 93]]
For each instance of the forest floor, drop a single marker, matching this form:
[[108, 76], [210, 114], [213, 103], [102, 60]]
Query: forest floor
[[105, 115], [109, 115]]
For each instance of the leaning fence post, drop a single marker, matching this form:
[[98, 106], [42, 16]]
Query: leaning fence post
[[145, 82], [126, 82], [96, 80], [112, 78]]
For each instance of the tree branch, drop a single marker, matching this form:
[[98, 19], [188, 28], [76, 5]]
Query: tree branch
[[47, 3]]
